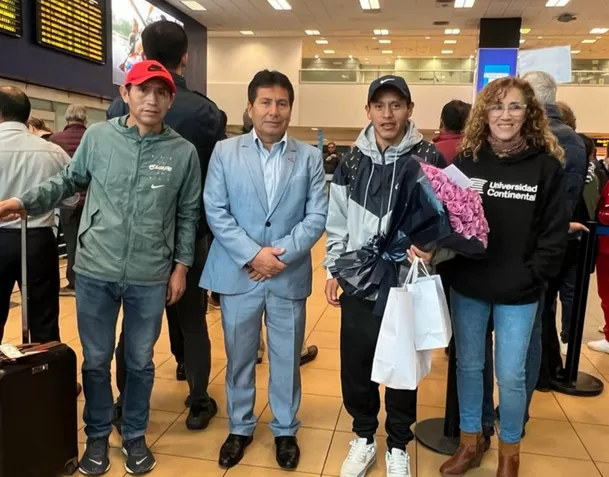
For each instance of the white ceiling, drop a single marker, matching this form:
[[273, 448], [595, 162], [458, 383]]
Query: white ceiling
[[348, 28]]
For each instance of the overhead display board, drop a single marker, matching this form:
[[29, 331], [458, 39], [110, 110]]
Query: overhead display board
[[74, 27], [10, 18]]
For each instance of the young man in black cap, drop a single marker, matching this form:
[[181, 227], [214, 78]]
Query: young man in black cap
[[359, 201]]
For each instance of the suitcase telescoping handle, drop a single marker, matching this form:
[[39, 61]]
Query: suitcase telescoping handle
[[25, 328]]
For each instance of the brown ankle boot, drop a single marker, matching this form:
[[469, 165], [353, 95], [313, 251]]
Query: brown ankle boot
[[468, 456], [509, 460]]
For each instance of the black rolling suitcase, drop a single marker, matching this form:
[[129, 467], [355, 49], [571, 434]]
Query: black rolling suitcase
[[38, 412]]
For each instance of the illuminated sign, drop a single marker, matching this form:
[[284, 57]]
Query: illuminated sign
[[10, 17], [75, 27]]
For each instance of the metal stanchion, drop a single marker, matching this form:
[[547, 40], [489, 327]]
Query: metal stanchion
[[441, 434], [572, 381]]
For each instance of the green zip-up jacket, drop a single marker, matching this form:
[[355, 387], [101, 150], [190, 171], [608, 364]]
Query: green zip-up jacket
[[142, 207]]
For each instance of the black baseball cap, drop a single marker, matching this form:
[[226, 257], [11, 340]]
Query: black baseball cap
[[389, 81]]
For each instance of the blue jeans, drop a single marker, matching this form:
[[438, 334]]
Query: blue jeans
[[97, 307], [513, 327]]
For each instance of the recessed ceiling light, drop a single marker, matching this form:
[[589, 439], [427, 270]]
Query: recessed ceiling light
[[329, 52], [464, 3], [599, 31], [575, 52], [452, 31], [450, 42], [385, 42], [280, 4], [557, 3], [447, 52], [522, 41], [381, 32], [246, 32], [525, 31], [196, 6], [312, 32], [370, 4], [589, 41], [321, 42], [387, 52]]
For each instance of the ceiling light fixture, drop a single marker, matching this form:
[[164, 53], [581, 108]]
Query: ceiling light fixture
[[196, 6], [246, 32], [382, 32], [312, 32], [387, 52], [385, 42], [464, 3], [589, 41], [557, 3], [447, 52], [321, 42], [329, 52], [525, 31], [599, 31], [280, 4], [450, 42], [452, 31], [370, 4]]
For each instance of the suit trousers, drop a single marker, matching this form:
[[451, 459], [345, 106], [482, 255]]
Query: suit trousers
[[188, 316], [285, 323]]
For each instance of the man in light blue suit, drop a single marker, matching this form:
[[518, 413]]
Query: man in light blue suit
[[266, 206]]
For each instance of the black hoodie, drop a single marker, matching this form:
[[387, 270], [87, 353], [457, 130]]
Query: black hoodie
[[525, 204]]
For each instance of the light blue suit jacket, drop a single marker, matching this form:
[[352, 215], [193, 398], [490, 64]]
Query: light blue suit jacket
[[242, 222]]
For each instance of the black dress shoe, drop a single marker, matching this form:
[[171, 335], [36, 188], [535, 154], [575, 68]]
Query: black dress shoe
[[288, 453], [312, 352], [181, 372], [233, 449]]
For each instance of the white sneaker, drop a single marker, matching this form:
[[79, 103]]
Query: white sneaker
[[564, 347], [398, 463], [601, 345], [361, 457]]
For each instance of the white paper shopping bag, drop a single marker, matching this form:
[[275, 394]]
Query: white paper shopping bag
[[396, 363], [433, 327]]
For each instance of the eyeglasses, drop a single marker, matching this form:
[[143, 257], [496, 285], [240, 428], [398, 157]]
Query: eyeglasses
[[513, 109]]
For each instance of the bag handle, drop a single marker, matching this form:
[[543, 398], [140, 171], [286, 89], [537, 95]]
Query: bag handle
[[413, 273]]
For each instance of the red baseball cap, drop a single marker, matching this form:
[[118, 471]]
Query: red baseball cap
[[148, 69]]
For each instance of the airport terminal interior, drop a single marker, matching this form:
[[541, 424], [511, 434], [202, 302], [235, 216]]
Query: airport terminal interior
[[331, 50]]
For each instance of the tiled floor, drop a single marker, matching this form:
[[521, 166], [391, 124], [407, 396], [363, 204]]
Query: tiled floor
[[567, 436]]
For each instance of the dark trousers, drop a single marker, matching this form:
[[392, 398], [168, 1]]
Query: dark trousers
[[189, 313], [358, 336], [551, 361], [70, 221], [43, 281]]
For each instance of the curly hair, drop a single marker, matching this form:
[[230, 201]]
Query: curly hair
[[535, 129]]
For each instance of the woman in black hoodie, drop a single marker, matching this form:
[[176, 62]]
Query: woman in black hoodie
[[514, 162]]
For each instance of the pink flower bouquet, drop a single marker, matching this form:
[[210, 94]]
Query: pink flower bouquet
[[465, 213]]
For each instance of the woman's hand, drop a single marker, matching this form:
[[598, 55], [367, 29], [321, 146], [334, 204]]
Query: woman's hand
[[414, 252]]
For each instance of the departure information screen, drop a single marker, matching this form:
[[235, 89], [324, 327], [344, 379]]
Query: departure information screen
[[10, 17], [75, 27]]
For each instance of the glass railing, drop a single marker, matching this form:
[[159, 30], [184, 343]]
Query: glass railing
[[366, 76]]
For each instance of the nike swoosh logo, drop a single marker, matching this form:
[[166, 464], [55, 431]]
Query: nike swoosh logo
[[96, 462], [156, 186], [385, 80], [139, 462]]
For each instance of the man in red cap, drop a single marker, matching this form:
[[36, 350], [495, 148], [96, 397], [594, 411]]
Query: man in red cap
[[135, 245]]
